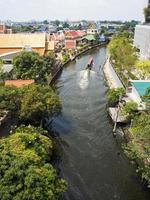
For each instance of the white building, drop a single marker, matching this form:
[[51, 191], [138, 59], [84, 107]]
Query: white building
[[92, 31], [142, 40]]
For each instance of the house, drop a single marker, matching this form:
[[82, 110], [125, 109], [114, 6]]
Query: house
[[16, 42], [75, 35], [136, 91], [4, 29], [18, 83], [7, 59], [70, 44], [92, 31], [89, 39], [74, 38], [56, 40]]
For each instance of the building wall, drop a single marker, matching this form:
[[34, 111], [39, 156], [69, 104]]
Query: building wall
[[142, 40], [41, 50]]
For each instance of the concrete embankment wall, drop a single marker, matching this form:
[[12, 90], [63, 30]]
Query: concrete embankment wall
[[112, 78]]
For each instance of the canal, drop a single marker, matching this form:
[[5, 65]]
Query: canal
[[90, 161]]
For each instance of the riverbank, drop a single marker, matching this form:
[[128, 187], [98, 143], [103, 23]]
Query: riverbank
[[90, 160], [137, 145]]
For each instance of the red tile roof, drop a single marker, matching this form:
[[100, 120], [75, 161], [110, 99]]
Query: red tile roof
[[70, 44], [81, 33], [18, 83], [72, 34]]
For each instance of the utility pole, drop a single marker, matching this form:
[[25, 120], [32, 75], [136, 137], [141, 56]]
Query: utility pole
[[117, 115]]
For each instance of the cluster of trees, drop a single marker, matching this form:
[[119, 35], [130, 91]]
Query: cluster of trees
[[123, 55], [25, 155], [25, 169], [30, 65], [124, 58], [30, 103]]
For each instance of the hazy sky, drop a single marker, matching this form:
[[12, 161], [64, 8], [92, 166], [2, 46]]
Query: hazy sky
[[72, 9]]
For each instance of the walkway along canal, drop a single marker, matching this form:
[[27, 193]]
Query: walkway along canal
[[90, 160]]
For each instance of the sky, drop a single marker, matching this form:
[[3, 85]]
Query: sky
[[22, 10]]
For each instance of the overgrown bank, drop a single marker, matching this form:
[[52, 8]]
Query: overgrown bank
[[26, 170], [125, 62]]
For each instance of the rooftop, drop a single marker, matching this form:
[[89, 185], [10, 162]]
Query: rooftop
[[141, 86], [18, 83], [22, 40], [90, 37]]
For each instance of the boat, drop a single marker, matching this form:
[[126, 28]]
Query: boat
[[90, 64], [72, 58]]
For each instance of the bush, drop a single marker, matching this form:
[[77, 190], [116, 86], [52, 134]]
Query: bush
[[114, 94], [129, 109], [138, 148], [66, 57]]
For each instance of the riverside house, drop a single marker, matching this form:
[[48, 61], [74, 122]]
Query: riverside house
[[73, 38]]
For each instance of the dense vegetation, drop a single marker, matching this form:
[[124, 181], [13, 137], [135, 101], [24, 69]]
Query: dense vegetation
[[25, 169], [30, 65], [125, 62], [123, 56], [143, 67], [138, 147], [25, 156], [30, 103]]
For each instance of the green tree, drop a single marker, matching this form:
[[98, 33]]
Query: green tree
[[129, 109], [27, 65], [147, 14], [10, 99], [30, 65], [57, 22], [25, 168], [38, 102], [144, 68], [66, 25], [31, 103], [122, 52]]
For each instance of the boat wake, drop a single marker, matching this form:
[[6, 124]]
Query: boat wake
[[83, 79]]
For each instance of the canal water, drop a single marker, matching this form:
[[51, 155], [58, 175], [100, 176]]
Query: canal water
[[91, 161]]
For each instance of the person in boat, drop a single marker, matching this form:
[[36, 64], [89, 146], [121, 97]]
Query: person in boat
[[90, 64]]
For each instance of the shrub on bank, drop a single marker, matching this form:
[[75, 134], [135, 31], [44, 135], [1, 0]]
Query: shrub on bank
[[25, 168], [138, 148], [114, 95]]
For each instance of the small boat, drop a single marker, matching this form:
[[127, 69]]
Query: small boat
[[72, 58], [90, 64]]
